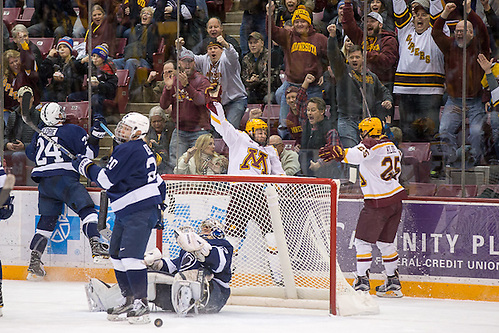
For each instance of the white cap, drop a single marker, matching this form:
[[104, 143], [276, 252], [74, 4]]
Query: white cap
[[376, 16]]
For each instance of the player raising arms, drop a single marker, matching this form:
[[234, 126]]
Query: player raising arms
[[59, 183], [379, 169], [249, 154], [136, 192]]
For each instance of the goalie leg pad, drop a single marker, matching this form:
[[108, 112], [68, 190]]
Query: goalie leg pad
[[101, 296], [190, 291]]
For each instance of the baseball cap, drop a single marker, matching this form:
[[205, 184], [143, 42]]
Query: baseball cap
[[186, 55], [376, 16], [256, 35], [422, 3]]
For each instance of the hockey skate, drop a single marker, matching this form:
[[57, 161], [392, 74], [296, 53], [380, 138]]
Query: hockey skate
[[391, 288], [100, 251], [140, 312], [362, 282], [35, 269], [113, 314]]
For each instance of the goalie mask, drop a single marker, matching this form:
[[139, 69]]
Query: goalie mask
[[255, 124], [52, 114], [211, 229], [370, 127], [133, 126]]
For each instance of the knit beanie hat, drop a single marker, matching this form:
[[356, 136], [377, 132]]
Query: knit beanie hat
[[66, 41], [101, 51], [301, 13]]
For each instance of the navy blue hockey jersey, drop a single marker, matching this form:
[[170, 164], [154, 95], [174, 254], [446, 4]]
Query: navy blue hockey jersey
[[50, 160], [130, 178], [218, 262]]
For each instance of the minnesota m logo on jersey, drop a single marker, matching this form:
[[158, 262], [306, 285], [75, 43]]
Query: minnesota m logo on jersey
[[257, 159]]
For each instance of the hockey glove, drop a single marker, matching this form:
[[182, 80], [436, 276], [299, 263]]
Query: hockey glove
[[213, 93], [160, 225], [193, 243], [328, 153], [153, 259], [81, 164], [97, 131], [7, 209]]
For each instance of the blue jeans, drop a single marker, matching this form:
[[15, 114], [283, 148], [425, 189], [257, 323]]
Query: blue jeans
[[234, 111], [450, 123], [494, 124], [280, 95], [131, 64], [185, 141], [348, 130], [250, 23]]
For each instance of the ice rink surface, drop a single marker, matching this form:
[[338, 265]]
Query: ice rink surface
[[62, 307]]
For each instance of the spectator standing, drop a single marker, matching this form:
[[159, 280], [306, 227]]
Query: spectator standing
[[476, 39], [293, 120], [382, 45], [153, 88], [289, 158], [305, 52], [254, 72], [103, 26], [159, 136], [52, 18], [420, 75], [191, 116], [214, 28], [253, 20], [349, 83], [221, 66]]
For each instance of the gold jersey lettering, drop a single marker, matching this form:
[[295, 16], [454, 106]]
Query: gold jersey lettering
[[251, 160], [304, 47]]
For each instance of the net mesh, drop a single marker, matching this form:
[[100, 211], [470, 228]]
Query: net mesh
[[280, 232]]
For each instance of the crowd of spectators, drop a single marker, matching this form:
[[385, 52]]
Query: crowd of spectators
[[413, 52]]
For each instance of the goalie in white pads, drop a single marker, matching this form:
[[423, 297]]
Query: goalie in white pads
[[202, 270], [249, 154], [379, 168]]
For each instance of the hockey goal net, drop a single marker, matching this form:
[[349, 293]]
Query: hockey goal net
[[281, 229]]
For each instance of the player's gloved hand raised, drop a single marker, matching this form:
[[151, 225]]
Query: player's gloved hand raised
[[7, 209], [81, 164], [328, 153], [97, 131], [213, 94], [193, 243]]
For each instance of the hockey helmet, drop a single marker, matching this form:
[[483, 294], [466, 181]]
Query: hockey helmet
[[371, 126], [52, 114], [211, 228], [132, 126], [253, 124]]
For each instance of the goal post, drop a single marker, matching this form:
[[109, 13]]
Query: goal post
[[281, 229]]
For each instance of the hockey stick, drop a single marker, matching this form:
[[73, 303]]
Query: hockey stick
[[10, 180], [108, 131], [25, 104], [101, 223]]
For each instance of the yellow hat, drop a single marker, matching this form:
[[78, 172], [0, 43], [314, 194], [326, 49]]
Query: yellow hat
[[301, 13]]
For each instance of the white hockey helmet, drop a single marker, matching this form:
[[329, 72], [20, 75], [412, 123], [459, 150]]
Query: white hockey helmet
[[52, 114], [132, 126], [211, 228]]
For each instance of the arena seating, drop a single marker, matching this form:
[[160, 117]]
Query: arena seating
[[10, 15], [422, 189], [76, 113], [451, 190], [25, 17], [44, 44]]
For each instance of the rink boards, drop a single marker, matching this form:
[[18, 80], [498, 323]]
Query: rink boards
[[447, 249]]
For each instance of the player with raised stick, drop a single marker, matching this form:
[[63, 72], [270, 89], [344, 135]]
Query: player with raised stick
[[136, 193], [250, 155], [379, 169], [52, 150], [6, 210]]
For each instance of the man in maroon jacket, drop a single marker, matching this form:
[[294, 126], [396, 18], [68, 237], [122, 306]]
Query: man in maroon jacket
[[192, 118], [382, 45], [305, 52], [476, 39]]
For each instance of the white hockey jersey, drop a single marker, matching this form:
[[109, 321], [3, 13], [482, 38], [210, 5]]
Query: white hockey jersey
[[420, 68], [379, 169], [246, 157]]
